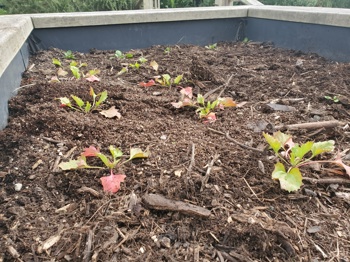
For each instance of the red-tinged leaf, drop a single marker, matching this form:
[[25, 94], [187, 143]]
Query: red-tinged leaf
[[112, 183], [148, 84], [91, 151], [187, 102], [92, 79], [227, 102], [110, 113], [187, 91], [209, 118]]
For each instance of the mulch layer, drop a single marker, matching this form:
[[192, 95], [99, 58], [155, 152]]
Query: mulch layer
[[205, 192]]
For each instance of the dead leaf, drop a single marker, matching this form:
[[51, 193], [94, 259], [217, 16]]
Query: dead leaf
[[154, 65], [61, 72], [54, 79], [110, 113], [93, 78]]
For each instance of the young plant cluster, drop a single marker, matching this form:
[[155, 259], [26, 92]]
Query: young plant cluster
[[204, 109], [110, 183], [292, 156], [80, 105]]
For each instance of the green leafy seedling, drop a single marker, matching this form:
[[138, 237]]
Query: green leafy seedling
[[142, 60], [212, 46], [167, 50], [166, 80], [110, 183], [334, 98], [119, 54], [245, 40], [204, 109], [293, 156], [136, 65], [80, 105], [56, 62], [69, 55], [75, 68]]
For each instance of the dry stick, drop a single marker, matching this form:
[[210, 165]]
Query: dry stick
[[327, 180], [189, 170], [235, 141], [215, 89], [250, 188], [312, 125], [206, 177], [52, 140]]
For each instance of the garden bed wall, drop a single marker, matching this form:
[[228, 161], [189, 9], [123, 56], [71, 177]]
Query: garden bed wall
[[320, 30]]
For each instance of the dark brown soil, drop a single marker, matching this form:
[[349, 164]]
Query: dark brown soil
[[66, 216]]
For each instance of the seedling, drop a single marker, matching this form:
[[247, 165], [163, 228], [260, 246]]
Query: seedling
[[119, 54], [136, 65], [245, 40], [295, 156], [82, 106], [112, 182], [211, 47], [75, 68], [166, 80], [167, 50], [142, 60], [69, 55], [56, 62], [334, 98], [203, 109]]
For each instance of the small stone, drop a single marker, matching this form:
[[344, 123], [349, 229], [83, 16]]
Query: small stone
[[157, 93], [18, 186], [163, 137], [165, 242]]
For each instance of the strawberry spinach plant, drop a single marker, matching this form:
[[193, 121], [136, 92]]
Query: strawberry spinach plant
[[69, 55], [86, 107], [204, 109], [110, 183], [292, 156]]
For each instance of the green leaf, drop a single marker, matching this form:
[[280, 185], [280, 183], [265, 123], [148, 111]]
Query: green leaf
[[57, 62], [166, 79], [138, 153], [178, 79], [115, 152], [274, 143], [129, 55], [83, 65], [103, 97], [75, 71], [298, 152], [281, 137], [105, 160], [322, 147], [74, 164], [118, 54], [291, 180], [73, 63], [87, 107], [142, 60], [65, 101], [200, 99], [78, 101]]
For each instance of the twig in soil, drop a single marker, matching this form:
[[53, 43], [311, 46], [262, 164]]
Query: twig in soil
[[189, 170], [105, 204], [224, 86], [221, 258], [159, 202], [250, 188], [229, 258], [235, 141], [207, 174], [55, 165], [327, 180], [89, 190], [126, 237], [52, 140], [69, 153], [311, 125], [88, 251]]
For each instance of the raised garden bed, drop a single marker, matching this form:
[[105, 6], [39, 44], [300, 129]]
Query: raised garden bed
[[230, 209]]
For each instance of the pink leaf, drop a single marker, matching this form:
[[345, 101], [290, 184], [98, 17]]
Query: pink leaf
[[177, 104], [112, 183], [148, 84], [92, 79], [91, 151], [187, 91], [210, 118]]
